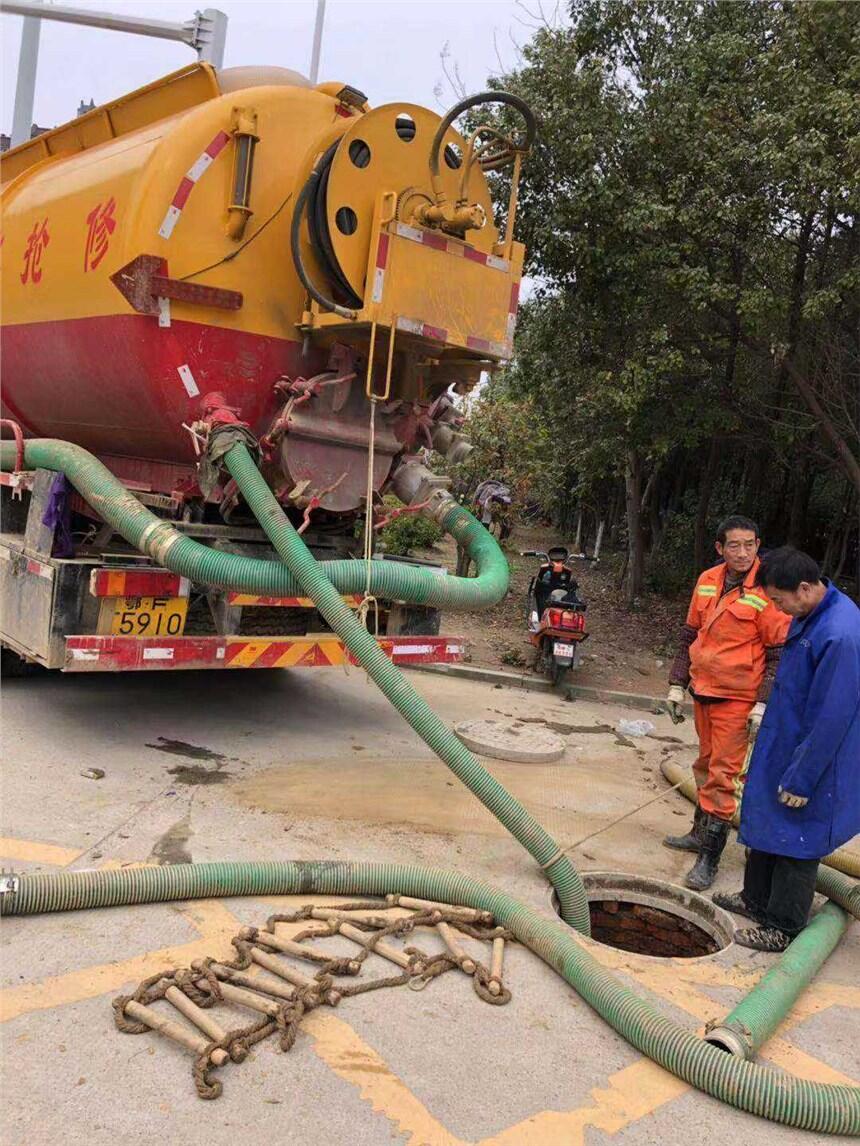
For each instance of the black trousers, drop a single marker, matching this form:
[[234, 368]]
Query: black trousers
[[781, 888]]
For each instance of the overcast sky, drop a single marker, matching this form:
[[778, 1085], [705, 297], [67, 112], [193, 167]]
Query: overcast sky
[[390, 50]]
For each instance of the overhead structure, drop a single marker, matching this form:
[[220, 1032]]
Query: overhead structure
[[205, 32]]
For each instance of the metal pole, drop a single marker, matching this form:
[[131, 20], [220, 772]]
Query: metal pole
[[317, 48], [211, 36], [114, 22], [205, 32], [25, 87]]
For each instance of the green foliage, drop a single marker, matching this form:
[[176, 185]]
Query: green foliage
[[691, 221], [409, 532], [512, 656]]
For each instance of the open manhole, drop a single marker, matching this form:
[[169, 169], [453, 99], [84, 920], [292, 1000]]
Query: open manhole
[[649, 917]]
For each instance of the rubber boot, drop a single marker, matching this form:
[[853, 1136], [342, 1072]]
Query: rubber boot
[[715, 832], [692, 841]]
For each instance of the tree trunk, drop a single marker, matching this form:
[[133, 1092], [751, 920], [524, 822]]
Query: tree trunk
[[616, 516], [636, 548], [706, 484], [599, 540]]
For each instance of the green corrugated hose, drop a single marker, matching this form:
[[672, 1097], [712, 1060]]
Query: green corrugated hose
[[314, 582], [302, 573], [843, 859], [389, 580], [819, 1107], [781, 1098], [759, 1013]]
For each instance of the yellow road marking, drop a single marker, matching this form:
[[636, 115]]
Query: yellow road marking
[[791, 1058], [214, 921], [630, 1094], [29, 851], [349, 1056]]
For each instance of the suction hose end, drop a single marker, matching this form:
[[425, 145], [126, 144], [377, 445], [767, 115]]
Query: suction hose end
[[731, 1038]]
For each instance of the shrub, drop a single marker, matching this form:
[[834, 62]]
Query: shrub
[[411, 531]]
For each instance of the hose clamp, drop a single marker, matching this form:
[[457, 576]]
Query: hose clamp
[[9, 883]]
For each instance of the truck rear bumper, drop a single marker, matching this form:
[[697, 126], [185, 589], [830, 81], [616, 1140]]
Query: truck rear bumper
[[114, 654]]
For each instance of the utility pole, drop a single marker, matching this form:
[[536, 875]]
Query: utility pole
[[25, 87], [317, 48]]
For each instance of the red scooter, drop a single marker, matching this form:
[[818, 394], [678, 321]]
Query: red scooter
[[556, 614]]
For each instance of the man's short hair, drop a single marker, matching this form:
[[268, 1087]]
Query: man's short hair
[[785, 568], [736, 521]]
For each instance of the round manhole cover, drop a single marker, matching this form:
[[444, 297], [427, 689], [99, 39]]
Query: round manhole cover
[[511, 740]]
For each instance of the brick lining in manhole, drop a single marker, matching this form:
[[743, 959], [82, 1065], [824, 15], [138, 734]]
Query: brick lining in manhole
[[651, 917], [648, 930]]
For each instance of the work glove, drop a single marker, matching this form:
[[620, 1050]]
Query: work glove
[[675, 703], [790, 799], [754, 720]]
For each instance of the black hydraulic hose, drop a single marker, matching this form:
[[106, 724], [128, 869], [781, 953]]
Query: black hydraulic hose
[[295, 246], [472, 101], [320, 233]]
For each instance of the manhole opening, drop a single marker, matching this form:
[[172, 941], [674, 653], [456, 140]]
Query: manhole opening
[[650, 917], [648, 930]]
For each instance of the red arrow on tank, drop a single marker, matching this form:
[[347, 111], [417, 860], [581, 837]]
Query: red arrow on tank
[[144, 280]]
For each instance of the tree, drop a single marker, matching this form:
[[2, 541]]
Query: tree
[[690, 215]]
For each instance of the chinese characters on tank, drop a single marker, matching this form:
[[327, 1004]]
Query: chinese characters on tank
[[37, 240], [101, 224]]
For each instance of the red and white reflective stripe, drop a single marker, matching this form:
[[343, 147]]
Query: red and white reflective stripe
[[381, 263], [23, 478], [512, 311], [114, 654], [138, 583], [416, 326], [186, 185], [498, 349], [39, 569], [439, 242], [188, 380]]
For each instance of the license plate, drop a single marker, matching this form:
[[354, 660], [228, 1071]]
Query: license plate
[[143, 616], [562, 650]]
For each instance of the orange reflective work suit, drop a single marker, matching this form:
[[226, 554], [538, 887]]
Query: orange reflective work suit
[[730, 636]]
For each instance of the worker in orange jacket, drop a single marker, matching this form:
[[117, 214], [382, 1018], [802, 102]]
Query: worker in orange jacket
[[729, 649]]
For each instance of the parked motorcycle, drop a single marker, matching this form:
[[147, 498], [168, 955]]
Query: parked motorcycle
[[556, 614]]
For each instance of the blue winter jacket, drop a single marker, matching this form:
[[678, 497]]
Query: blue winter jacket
[[809, 740]]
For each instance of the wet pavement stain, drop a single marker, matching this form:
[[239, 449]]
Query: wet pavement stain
[[192, 751], [195, 774], [171, 847]]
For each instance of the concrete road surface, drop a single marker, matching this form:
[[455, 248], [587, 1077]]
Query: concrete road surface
[[316, 764]]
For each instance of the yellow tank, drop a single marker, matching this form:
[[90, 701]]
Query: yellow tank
[[147, 263]]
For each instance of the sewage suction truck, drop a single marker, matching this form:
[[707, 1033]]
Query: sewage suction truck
[[243, 248]]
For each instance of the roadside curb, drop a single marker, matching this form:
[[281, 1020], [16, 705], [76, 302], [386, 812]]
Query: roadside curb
[[488, 676], [536, 684]]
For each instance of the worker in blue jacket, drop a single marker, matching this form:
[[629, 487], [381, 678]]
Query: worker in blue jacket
[[802, 794]]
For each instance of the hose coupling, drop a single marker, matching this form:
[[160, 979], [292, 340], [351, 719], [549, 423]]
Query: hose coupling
[[733, 1038], [413, 482], [454, 220], [439, 503]]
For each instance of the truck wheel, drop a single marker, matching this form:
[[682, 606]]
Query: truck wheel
[[11, 665]]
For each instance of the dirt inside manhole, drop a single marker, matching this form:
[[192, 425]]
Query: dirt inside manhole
[[648, 930]]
